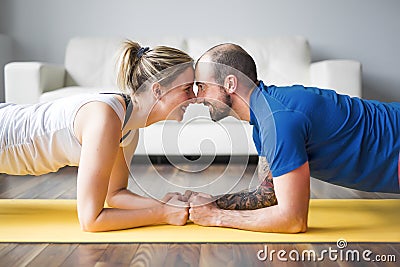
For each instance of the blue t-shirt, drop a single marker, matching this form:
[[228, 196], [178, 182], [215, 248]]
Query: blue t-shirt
[[347, 141]]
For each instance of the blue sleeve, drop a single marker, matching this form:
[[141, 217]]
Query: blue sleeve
[[256, 139], [288, 151]]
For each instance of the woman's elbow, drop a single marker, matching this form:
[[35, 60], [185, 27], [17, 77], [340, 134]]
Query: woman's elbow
[[88, 227], [110, 201], [88, 224], [112, 198]]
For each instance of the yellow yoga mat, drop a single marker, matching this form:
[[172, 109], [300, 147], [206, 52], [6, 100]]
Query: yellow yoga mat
[[329, 220]]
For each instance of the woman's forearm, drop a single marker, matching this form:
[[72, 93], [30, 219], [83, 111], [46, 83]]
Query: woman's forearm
[[173, 212], [117, 219], [125, 199]]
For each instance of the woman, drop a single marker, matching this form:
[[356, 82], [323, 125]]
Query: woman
[[95, 131]]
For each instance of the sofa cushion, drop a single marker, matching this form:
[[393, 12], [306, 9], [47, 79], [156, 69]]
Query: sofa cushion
[[279, 60]]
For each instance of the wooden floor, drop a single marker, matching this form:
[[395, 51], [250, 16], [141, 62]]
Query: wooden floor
[[62, 185]]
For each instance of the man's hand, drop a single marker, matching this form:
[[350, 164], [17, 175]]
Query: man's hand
[[203, 211], [176, 211]]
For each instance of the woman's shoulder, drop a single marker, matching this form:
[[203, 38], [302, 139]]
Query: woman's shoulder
[[76, 102], [98, 117]]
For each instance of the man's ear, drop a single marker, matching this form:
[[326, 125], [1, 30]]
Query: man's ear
[[231, 83], [156, 88]]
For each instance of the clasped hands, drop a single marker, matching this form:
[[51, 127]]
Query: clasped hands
[[200, 208]]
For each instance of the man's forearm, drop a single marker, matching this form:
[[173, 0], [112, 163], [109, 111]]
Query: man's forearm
[[270, 219], [289, 215], [263, 196]]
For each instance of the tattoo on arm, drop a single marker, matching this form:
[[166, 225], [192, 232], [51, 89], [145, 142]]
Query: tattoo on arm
[[263, 196]]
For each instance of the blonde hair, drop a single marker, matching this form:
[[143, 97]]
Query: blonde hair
[[137, 66]]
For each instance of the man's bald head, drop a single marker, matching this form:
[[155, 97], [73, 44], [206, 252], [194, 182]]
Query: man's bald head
[[231, 55]]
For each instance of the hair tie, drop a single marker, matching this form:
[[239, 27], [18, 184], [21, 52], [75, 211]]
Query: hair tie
[[141, 51]]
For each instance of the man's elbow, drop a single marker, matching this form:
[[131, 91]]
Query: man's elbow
[[288, 225], [296, 224], [297, 227]]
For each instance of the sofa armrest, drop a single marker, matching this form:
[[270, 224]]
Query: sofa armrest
[[26, 81], [344, 76]]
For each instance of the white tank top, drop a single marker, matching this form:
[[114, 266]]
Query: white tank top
[[39, 138]]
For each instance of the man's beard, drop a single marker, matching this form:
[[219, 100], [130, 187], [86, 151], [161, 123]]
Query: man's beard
[[218, 113]]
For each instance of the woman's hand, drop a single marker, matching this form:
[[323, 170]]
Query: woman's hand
[[190, 195], [176, 211], [170, 195]]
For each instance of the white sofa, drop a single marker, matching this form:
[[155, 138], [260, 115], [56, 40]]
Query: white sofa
[[90, 67]]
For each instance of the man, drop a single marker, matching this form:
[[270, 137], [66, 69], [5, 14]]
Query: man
[[301, 132]]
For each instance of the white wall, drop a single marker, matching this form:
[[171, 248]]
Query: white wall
[[6, 56], [364, 30]]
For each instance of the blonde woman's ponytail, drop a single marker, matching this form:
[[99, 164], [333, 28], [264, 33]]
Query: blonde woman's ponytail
[[139, 64], [127, 63]]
